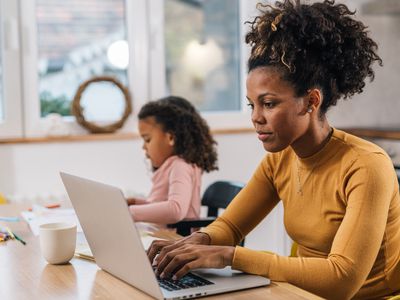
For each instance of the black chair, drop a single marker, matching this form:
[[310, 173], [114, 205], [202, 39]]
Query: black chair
[[397, 169], [217, 195]]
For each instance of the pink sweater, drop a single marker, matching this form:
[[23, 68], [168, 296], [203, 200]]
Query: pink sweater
[[175, 194]]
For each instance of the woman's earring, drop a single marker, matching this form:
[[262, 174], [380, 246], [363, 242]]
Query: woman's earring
[[309, 110]]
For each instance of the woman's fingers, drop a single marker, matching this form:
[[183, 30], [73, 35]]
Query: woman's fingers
[[159, 248], [161, 252], [195, 264], [173, 260], [187, 257], [168, 248], [155, 248]]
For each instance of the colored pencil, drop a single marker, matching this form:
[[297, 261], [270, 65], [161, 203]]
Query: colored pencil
[[19, 239]]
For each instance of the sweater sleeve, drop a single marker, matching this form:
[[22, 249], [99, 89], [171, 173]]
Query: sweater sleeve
[[368, 190], [173, 210], [246, 210]]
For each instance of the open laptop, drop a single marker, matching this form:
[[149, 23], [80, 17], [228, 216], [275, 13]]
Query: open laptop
[[116, 245]]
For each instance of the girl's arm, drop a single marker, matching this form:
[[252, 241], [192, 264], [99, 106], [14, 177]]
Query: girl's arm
[[136, 201], [181, 181]]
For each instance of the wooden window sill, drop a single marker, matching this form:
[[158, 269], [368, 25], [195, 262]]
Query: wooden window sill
[[102, 137], [375, 133]]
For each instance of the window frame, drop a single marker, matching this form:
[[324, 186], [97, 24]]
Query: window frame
[[158, 87], [145, 35], [11, 125], [135, 17]]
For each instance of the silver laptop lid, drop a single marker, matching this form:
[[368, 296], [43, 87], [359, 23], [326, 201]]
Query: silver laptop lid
[[120, 253], [117, 247]]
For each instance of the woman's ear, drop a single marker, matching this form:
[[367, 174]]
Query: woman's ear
[[314, 98]]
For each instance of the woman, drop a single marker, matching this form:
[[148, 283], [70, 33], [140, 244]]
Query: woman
[[340, 193]]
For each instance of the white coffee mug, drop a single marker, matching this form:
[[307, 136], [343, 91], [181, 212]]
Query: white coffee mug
[[57, 242]]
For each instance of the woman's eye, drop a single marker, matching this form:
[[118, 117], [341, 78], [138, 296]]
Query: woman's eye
[[269, 104], [251, 105]]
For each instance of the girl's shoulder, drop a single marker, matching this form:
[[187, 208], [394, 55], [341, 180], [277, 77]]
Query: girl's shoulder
[[179, 164]]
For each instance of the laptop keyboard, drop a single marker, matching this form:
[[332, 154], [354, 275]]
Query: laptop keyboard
[[186, 282]]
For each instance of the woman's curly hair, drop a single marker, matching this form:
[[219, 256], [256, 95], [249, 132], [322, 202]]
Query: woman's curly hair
[[318, 45], [193, 140]]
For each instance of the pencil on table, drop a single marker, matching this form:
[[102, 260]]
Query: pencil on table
[[19, 239], [14, 236]]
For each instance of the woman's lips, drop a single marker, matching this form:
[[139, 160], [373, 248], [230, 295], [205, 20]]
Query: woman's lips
[[263, 136]]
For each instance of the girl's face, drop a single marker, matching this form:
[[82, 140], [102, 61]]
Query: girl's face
[[279, 117], [158, 144]]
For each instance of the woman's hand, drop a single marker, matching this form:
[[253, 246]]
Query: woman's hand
[[187, 257], [158, 246], [189, 253]]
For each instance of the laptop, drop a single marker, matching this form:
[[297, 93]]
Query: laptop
[[117, 248]]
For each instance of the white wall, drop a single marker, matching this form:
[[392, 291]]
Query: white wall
[[30, 171]]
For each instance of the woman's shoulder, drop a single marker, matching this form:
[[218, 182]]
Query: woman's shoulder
[[358, 152], [356, 145]]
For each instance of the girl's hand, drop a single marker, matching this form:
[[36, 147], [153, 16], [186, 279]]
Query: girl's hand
[[164, 246], [131, 201], [186, 257]]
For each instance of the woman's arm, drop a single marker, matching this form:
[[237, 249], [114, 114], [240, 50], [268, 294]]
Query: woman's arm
[[247, 210], [368, 191]]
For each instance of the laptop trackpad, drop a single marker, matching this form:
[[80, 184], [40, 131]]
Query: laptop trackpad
[[225, 272]]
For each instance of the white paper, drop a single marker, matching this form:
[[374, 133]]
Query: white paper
[[41, 215]]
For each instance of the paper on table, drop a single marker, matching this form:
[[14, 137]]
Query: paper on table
[[83, 250], [40, 215]]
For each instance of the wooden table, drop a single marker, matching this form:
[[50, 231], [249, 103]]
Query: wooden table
[[24, 274]]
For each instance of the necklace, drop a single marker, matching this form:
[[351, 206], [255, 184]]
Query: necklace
[[299, 184]]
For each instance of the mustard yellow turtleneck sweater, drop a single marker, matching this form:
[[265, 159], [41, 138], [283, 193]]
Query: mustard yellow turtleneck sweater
[[342, 208]]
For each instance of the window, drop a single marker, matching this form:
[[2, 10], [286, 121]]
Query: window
[[202, 60], [71, 42], [10, 77], [1, 75], [77, 40], [66, 42]]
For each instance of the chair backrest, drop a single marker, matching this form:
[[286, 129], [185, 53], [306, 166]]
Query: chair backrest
[[219, 194], [397, 169]]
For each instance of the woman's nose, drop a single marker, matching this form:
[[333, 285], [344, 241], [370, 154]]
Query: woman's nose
[[257, 116]]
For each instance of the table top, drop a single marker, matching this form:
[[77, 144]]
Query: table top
[[24, 274]]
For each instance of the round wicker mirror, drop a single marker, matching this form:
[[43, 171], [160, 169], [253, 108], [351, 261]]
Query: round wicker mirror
[[78, 110]]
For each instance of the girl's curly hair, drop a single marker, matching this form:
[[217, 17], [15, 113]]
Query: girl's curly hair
[[193, 140], [313, 46]]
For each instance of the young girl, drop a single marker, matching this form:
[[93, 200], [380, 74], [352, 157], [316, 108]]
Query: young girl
[[178, 143]]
